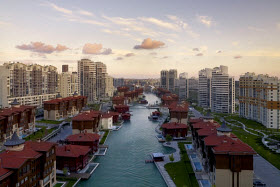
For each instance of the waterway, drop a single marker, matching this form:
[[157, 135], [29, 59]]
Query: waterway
[[124, 163]]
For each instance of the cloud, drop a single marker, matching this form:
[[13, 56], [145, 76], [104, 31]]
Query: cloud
[[60, 9], [205, 20], [40, 47], [148, 43], [237, 57], [199, 54], [119, 58], [165, 57], [129, 54], [195, 49], [278, 26], [235, 43], [85, 13], [218, 51], [153, 53], [160, 23], [96, 49]]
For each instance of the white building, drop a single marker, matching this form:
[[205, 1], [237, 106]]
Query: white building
[[109, 91], [106, 121], [29, 84], [259, 99], [67, 83], [216, 90]]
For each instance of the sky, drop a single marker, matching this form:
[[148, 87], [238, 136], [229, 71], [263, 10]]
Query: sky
[[137, 39]]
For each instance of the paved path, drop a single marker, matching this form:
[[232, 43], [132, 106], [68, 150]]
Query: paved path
[[160, 165]]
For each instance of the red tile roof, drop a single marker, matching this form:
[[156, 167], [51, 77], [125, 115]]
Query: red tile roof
[[83, 137], [174, 125], [14, 110], [202, 124], [207, 131], [121, 106], [12, 163], [5, 172], [58, 100], [114, 113], [39, 146], [195, 120], [233, 148], [72, 150], [118, 98], [214, 139], [87, 116], [106, 115]]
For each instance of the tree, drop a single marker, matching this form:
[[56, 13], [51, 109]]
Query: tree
[[171, 157], [168, 138], [65, 171]]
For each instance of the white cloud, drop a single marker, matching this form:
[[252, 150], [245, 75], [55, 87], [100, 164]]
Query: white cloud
[[60, 9], [85, 13], [205, 20], [160, 23]]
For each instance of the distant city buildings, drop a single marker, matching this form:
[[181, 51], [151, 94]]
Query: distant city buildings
[[92, 78], [183, 86], [193, 89], [216, 90], [259, 99], [29, 84]]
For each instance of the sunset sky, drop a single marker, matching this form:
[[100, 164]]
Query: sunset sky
[[136, 39]]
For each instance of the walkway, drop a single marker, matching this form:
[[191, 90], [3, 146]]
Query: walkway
[[160, 165]]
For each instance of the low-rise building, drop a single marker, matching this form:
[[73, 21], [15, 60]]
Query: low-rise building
[[18, 118], [72, 157], [87, 121], [85, 139], [61, 108], [121, 108], [174, 129], [168, 99], [227, 160], [116, 116], [121, 90], [106, 121], [28, 163], [179, 113], [118, 100]]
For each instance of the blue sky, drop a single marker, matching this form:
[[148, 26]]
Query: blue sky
[[187, 35]]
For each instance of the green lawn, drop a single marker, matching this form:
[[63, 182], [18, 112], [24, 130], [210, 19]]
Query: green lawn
[[58, 185], [94, 106], [49, 121], [256, 144], [39, 134], [104, 137], [181, 172], [71, 181]]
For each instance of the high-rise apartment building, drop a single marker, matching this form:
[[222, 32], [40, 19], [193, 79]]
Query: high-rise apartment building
[[193, 89], [67, 83], [222, 91], [164, 79], [64, 68], [109, 86], [216, 90], [169, 80], [259, 99], [183, 86], [172, 80], [204, 87], [29, 84], [92, 79]]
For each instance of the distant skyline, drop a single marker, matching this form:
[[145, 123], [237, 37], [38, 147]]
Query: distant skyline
[[137, 39]]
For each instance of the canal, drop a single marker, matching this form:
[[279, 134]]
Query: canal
[[124, 163]]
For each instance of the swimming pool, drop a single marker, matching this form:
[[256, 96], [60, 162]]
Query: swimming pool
[[189, 146], [193, 156], [205, 183], [197, 166]]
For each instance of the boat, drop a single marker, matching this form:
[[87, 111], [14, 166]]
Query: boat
[[126, 116], [154, 116]]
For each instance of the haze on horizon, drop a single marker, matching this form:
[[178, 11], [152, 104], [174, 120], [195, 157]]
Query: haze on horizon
[[136, 39]]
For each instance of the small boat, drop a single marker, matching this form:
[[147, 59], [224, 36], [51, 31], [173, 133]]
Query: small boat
[[154, 116]]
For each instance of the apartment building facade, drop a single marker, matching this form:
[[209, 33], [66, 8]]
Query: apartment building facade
[[68, 83], [183, 86], [92, 79], [109, 90], [62, 108], [29, 84], [193, 89], [28, 163], [216, 90], [204, 87], [164, 79], [259, 99]]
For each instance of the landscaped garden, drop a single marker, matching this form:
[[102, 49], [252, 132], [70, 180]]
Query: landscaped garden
[[71, 181], [49, 121], [94, 106], [182, 172], [104, 137], [40, 133]]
